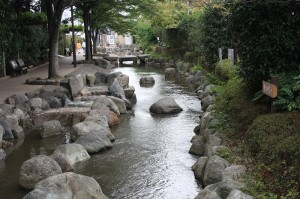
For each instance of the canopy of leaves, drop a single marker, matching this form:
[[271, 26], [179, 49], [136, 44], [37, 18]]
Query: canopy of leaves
[[267, 36]]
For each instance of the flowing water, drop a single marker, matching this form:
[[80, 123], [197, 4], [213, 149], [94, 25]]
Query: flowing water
[[149, 159]]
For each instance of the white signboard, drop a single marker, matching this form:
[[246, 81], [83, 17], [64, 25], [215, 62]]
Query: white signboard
[[231, 54], [220, 53]]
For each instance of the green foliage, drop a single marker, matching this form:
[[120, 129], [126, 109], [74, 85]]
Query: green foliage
[[266, 36], [279, 162], [225, 69], [213, 33], [144, 35], [31, 18], [197, 68], [226, 154], [289, 92]]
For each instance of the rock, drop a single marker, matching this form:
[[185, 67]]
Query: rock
[[33, 94], [112, 118], [197, 147], [7, 109], [2, 131], [224, 187], [76, 84], [147, 80], [87, 104], [129, 92], [211, 141], [123, 80], [7, 130], [236, 194], [165, 106], [103, 101], [67, 186], [101, 78], [35, 103], [116, 89], [170, 72], [45, 105], [12, 121], [98, 119], [67, 116], [199, 167], [91, 78], [119, 103], [63, 90], [2, 154], [207, 194], [20, 114], [216, 150], [234, 172], [95, 90], [86, 127], [62, 162], [205, 120], [51, 128], [206, 101], [213, 170], [94, 142], [197, 130], [112, 76], [18, 132], [37, 169], [73, 153], [53, 100]]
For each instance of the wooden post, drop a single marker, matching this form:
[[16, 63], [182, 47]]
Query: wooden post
[[275, 82]]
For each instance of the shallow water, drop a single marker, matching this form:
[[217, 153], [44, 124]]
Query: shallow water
[[149, 159]]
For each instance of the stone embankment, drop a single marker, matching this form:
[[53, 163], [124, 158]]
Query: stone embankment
[[219, 178], [88, 103]]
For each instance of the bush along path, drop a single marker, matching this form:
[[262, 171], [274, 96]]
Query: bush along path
[[220, 179]]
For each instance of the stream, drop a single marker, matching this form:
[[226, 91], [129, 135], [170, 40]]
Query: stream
[[149, 159]]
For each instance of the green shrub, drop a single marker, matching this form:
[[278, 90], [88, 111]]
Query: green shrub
[[225, 69], [274, 141]]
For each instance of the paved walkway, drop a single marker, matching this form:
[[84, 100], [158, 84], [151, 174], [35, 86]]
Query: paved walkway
[[16, 85]]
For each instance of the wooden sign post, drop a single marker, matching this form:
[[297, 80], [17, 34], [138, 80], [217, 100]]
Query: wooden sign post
[[271, 89]]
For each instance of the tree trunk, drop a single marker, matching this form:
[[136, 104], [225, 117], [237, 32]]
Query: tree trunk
[[95, 38], [86, 20], [54, 15]]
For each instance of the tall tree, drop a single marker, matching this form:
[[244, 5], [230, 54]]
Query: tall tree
[[54, 10]]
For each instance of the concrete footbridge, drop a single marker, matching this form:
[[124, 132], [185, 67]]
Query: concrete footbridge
[[121, 59]]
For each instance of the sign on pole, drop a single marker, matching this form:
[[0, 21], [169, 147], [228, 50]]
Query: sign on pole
[[270, 89]]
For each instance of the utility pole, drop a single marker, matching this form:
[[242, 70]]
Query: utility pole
[[73, 36]]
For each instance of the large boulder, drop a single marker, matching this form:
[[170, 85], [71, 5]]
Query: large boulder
[[123, 80], [170, 72], [234, 172], [92, 136], [206, 101], [112, 76], [2, 154], [103, 101], [210, 142], [67, 186], [116, 89], [119, 103], [236, 194], [76, 84], [129, 92], [7, 109], [101, 78], [165, 106], [197, 147], [35, 103], [213, 170], [37, 169], [147, 80], [73, 153], [2, 131], [51, 128], [199, 167], [7, 130], [207, 194], [111, 117], [224, 187]]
